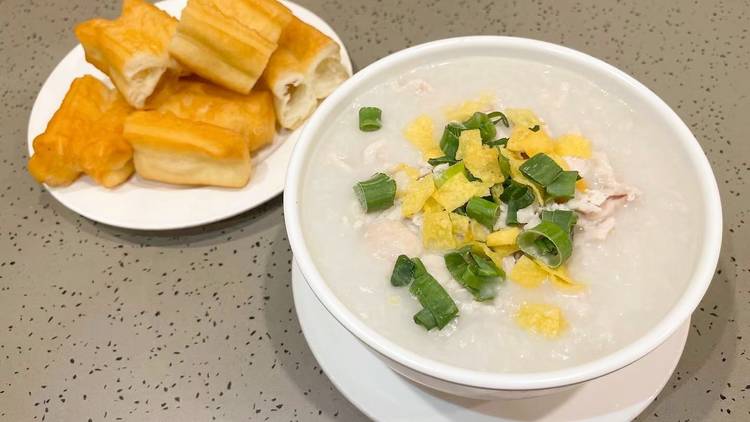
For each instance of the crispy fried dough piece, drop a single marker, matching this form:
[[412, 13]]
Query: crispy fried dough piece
[[84, 135], [132, 49], [180, 151], [229, 42], [305, 68], [252, 115]]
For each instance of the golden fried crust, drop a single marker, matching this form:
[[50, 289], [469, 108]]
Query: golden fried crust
[[180, 151], [132, 49], [84, 136], [305, 68], [252, 115], [229, 42], [108, 159]]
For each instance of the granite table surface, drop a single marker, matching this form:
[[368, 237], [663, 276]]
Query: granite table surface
[[103, 324]]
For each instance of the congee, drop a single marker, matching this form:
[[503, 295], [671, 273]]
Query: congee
[[499, 214]]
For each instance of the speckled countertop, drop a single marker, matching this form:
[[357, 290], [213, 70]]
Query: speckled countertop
[[98, 323]]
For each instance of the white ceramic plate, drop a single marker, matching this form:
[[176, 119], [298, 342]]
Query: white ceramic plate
[[146, 205], [384, 395]]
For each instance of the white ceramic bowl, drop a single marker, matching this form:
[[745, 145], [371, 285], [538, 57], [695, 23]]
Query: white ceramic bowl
[[472, 383]]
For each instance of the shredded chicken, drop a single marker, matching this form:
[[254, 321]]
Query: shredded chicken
[[373, 153], [390, 238], [416, 86], [601, 199]]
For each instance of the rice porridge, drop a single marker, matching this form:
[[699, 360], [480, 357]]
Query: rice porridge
[[632, 253]]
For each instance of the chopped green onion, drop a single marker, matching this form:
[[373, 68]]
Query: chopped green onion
[[481, 121], [449, 140], [485, 266], [425, 319], [369, 119], [376, 193], [535, 128], [456, 262], [554, 251], [563, 218], [504, 165], [496, 191], [432, 296], [460, 210], [451, 171], [419, 267], [403, 271], [483, 211], [474, 272], [498, 143], [564, 185], [441, 160], [518, 196], [541, 169], [501, 118]]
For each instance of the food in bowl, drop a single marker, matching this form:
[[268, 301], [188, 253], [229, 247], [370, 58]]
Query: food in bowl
[[632, 252]]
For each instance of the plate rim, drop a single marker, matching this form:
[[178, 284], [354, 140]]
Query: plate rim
[[286, 146]]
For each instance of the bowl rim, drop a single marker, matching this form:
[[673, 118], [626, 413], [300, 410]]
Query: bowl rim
[[685, 305]]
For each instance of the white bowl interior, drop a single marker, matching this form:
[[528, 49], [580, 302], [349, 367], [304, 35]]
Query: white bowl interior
[[683, 146]]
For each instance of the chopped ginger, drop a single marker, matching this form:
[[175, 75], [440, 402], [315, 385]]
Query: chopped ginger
[[420, 133], [431, 205], [437, 231], [529, 142], [573, 146], [503, 237], [457, 190], [527, 273], [560, 279], [541, 318], [464, 110], [461, 230], [416, 194], [480, 160], [522, 117]]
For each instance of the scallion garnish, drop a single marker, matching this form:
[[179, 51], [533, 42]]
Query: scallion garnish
[[541, 169], [499, 116], [518, 196], [441, 160], [369, 119], [432, 296], [563, 218], [554, 250], [497, 143], [449, 140], [376, 193], [564, 185], [504, 165], [483, 211], [474, 272], [481, 121], [425, 319], [485, 266], [403, 271]]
